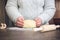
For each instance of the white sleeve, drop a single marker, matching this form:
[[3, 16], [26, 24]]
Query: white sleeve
[[49, 11], [12, 10]]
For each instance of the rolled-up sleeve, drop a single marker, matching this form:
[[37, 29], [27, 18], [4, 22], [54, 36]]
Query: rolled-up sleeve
[[12, 10], [49, 11]]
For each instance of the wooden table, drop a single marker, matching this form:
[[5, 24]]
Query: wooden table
[[29, 35]]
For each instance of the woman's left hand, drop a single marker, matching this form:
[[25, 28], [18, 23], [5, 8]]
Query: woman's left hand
[[38, 22]]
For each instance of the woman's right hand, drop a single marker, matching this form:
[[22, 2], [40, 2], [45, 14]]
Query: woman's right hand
[[20, 21]]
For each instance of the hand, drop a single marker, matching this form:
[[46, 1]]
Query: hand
[[38, 21], [20, 21]]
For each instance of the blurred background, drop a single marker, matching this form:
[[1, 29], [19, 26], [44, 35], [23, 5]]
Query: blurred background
[[4, 18]]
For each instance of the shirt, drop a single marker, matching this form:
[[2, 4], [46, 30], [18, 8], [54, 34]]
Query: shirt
[[30, 9]]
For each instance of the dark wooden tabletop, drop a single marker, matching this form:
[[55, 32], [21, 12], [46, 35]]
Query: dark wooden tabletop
[[29, 35]]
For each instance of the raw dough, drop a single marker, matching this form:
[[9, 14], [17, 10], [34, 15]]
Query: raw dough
[[48, 28], [29, 24], [45, 28]]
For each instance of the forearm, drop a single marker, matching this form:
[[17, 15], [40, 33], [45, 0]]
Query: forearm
[[49, 11], [12, 13], [12, 10], [47, 16]]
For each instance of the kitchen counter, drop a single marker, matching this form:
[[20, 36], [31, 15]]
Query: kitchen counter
[[8, 34]]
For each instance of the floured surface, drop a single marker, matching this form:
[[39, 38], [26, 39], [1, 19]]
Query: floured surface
[[45, 28], [16, 28], [24, 29], [42, 28]]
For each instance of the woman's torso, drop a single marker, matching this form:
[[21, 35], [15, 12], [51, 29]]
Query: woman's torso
[[30, 8]]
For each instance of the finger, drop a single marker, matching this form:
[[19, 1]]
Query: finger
[[38, 24], [37, 19], [20, 23], [20, 19]]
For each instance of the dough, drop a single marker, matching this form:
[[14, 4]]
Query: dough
[[45, 28], [48, 28], [29, 24]]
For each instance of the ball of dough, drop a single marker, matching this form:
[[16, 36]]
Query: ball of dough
[[29, 24]]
